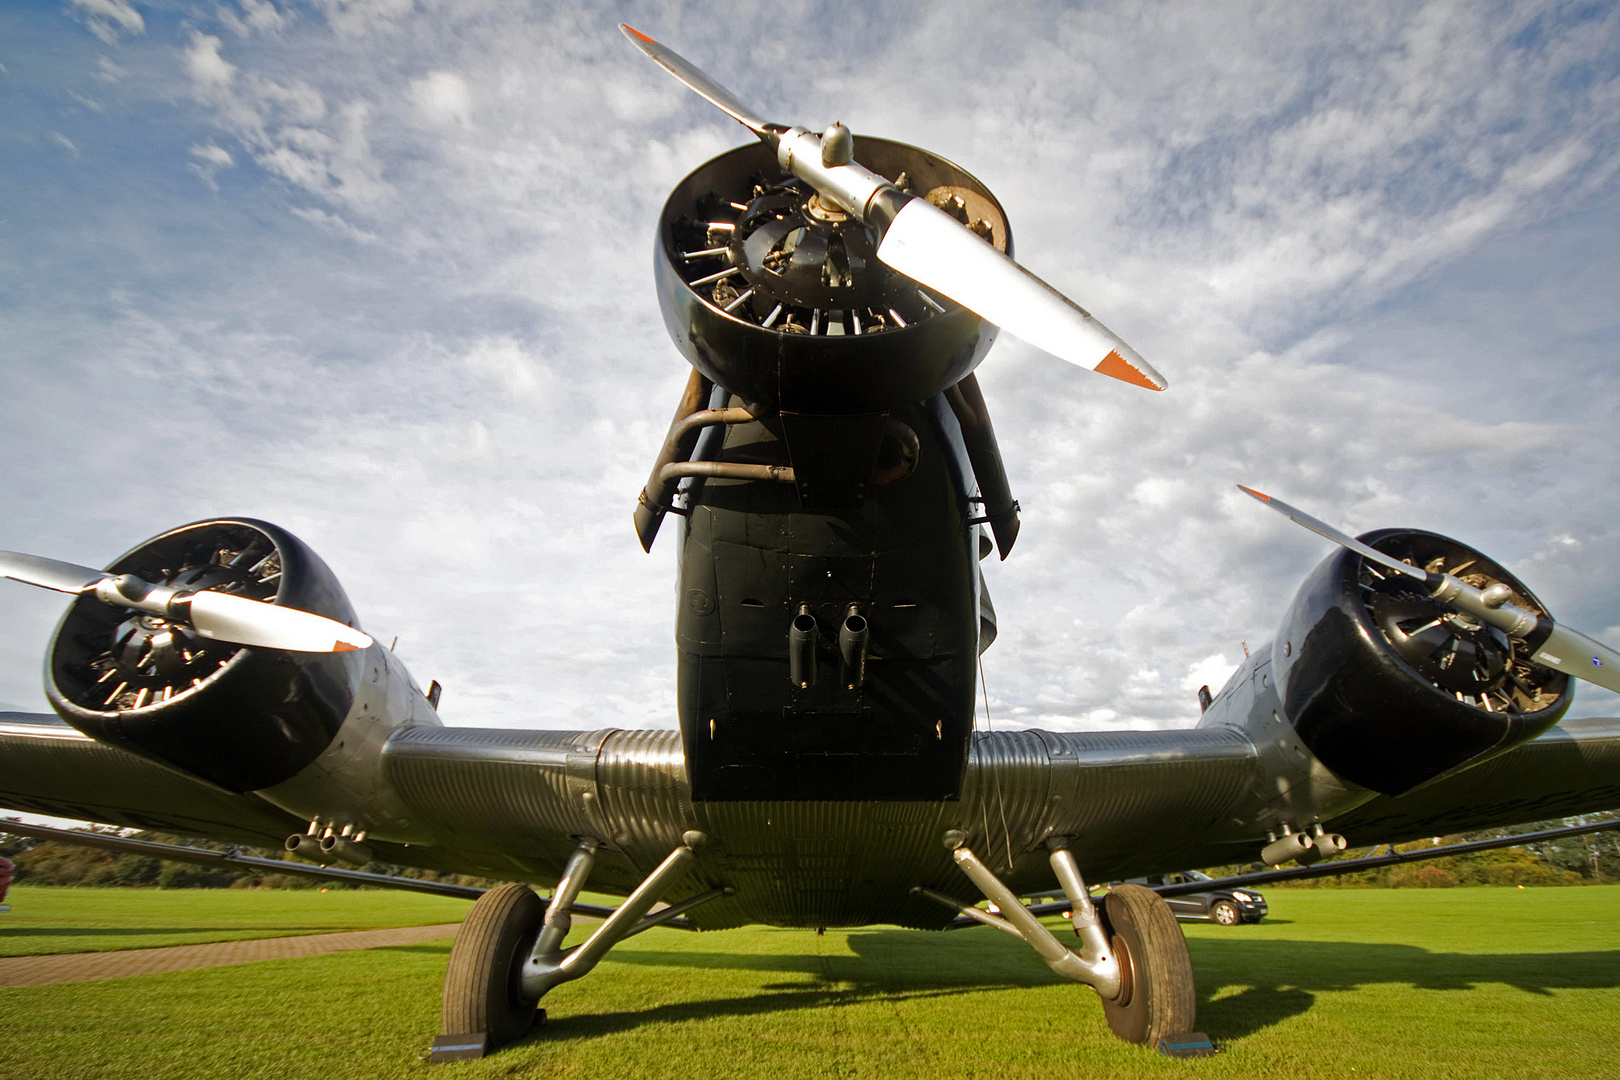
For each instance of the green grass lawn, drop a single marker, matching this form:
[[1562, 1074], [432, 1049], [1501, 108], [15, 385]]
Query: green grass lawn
[[1445, 983], [57, 920]]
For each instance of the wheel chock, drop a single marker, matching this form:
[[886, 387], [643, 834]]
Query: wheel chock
[[1189, 1044]]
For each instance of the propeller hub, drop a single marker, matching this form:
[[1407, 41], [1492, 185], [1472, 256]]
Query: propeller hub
[[143, 657], [1456, 652], [148, 645]]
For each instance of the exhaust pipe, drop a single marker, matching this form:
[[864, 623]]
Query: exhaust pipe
[[1286, 848], [1323, 846], [341, 847], [802, 648], [324, 849], [854, 635]]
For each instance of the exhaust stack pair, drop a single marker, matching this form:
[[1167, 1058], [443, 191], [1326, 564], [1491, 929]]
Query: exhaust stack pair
[[854, 638]]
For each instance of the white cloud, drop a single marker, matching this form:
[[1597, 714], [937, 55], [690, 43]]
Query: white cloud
[[64, 142], [210, 72], [288, 127], [520, 372], [209, 154], [257, 16], [355, 17], [210, 159], [108, 19], [442, 98], [335, 224]]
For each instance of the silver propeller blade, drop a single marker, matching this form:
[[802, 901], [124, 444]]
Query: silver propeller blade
[[923, 242], [711, 91], [1322, 528], [237, 619], [215, 615], [928, 245], [1555, 646], [48, 573]]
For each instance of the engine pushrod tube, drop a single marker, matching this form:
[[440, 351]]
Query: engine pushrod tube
[[725, 470], [678, 445]]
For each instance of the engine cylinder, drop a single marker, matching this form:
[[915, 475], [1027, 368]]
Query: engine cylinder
[[1390, 689], [240, 717]]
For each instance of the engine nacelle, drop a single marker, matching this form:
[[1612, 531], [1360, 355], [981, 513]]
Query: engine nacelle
[[240, 717], [1390, 689]]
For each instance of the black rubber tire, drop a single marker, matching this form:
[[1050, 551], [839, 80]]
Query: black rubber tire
[[1225, 912], [1158, 997], [481, 986]]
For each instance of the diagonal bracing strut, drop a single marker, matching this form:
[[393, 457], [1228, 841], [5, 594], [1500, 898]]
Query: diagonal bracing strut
[[550, 964], [1096, 964]]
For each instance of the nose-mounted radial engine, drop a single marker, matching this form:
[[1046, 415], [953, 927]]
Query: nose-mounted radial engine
[[833, 457], [778, 295]]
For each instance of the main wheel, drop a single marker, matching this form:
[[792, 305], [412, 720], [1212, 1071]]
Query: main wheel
[[1224, 912], [481, 987], [1156, 996]]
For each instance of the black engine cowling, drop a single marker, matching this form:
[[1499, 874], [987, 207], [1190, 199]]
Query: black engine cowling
[[242, 718], [1390, 689]]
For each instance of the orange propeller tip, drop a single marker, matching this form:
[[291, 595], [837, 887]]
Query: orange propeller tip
[[627, 28], [1118, 367], [1256, 494], [344, 646]]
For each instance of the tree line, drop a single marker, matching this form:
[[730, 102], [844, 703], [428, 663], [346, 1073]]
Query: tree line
[[1592, 859], [55, 862]]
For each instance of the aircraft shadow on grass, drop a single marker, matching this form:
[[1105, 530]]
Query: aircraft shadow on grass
[[1275, 979]]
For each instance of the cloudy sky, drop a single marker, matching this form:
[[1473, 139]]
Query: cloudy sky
[[379, 271]]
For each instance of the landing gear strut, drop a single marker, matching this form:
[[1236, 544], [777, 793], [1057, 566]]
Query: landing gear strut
[[509, 951], [1132, 953]]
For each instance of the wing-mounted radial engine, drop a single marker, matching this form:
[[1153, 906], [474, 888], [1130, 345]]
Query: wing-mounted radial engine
[[833, 456], [228, 650], [1405, 656], [1389, 686]]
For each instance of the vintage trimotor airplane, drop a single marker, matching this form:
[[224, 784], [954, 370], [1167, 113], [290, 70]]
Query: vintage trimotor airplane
[[837, 482]]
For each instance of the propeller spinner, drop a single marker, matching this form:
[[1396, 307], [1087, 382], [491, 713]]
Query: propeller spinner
[[915, 237]]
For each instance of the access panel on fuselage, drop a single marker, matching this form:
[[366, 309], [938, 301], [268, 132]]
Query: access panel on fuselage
[[753, 558]]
